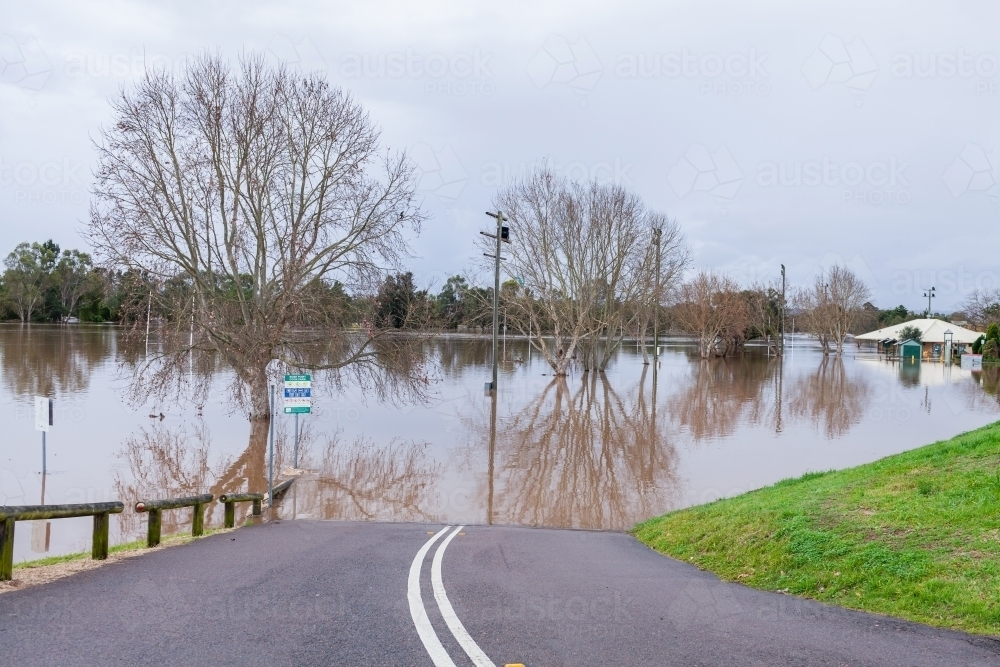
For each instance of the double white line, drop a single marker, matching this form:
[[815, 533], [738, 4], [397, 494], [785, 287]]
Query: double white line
[[426, 631]]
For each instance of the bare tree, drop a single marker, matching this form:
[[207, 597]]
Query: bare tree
[[832, 306], [848, 293], [581, 256], [982, 307], [660, 281], [246, 193], [711, 308], [763, 303]]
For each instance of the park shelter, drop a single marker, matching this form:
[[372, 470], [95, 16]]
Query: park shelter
[[910, 350], [932, 336]]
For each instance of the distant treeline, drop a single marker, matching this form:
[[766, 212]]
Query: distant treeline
[[43, 283], [40, 283]]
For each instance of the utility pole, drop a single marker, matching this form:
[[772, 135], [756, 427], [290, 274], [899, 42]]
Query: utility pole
[[930, 295], [503, 234], [656, 311], [782, 311]]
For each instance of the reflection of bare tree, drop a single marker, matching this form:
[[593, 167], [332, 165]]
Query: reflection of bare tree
[[46, 360], [587, 458], [360, 481], [829, 398], [724, 394], [163, 463], [356, 481]]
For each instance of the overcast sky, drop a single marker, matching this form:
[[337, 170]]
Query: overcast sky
[[774, 132]]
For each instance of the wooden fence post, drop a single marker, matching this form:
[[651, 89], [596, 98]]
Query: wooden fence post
[[230, 515], [153, 532], [101, 524], [198, 520], [7, 548], [256, 507]]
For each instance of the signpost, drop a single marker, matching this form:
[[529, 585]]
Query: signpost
[[298, 401], [40, 530], [43, 420]]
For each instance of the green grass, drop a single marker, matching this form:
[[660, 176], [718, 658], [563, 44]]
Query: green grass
[[167, 541], [916, 535]]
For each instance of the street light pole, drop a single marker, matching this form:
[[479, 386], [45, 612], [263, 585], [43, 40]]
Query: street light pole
[[782, 311], [501, 235]]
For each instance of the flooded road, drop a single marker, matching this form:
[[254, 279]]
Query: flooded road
[[586, 451]]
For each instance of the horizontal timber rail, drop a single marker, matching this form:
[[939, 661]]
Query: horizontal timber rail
[[281, 488], [156, 507], [9, 514], [230, 500]]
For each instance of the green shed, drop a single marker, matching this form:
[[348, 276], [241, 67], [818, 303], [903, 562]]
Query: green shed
[[910, 350]]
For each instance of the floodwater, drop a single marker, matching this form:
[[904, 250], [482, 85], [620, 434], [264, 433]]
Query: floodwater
[[595, 451]]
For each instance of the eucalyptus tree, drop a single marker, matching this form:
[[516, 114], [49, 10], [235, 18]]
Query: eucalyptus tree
[[241, 194], [28, 272]]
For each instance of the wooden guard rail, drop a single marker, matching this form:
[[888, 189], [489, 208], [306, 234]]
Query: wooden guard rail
[[156, 507], [9, 514], [230, 500], [101, 512]]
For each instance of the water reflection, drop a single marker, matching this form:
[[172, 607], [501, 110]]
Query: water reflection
[[724, 394], [39, 360], [830, 399], [164, 462], [589, 451], [356, 480], [363, 481], [582, 456]]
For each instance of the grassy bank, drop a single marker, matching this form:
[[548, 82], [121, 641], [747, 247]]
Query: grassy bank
[[916, 535]]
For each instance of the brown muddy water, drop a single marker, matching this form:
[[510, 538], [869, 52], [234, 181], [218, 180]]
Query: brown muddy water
[[586, 451]]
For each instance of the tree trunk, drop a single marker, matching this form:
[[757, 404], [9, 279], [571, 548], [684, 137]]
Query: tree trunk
[[260, 405]]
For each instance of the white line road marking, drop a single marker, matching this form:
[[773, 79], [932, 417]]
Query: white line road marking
[[425, 630], [470, 647]]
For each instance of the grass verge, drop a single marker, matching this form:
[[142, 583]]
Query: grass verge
[[915, 535]]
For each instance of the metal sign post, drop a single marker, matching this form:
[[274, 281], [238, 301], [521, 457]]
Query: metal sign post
[[270, 460], [298, 401], [43, 420]]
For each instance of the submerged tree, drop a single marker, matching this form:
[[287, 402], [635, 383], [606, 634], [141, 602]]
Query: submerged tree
[[832, 306], [582, 262], [234, 193], [712, 308]]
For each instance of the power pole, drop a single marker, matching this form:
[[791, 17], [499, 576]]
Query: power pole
[[930, 295], [656, 311], [782, 310], [502, 235]]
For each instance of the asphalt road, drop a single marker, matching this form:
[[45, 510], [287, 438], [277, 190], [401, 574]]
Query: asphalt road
[[331, 593]]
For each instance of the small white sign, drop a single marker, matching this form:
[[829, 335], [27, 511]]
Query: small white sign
[[43, 413], [972, 362]]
